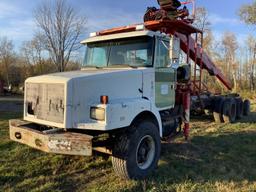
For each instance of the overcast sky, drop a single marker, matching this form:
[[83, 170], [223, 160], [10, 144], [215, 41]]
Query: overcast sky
[[17, 23]]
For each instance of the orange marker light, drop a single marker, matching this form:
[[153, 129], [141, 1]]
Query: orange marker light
[[104, 99]]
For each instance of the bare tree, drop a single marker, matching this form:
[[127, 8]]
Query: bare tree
[[202, 22], [230, 46], [62, 27], [202, 19], [251, 48], [6, 57], [247, 13], [33, 51]]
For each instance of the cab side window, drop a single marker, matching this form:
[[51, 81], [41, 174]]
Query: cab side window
[[163, 54]]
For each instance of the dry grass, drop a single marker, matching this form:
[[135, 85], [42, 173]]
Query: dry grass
[[218, 158]]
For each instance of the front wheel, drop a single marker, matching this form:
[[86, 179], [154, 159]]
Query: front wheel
[[136, 153]]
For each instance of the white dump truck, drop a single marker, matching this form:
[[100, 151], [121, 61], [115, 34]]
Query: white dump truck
[[132, 93]]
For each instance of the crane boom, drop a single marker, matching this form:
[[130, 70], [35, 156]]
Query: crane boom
[[208, 64]]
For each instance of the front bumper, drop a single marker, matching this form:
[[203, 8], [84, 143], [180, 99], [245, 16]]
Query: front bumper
[[57, 141]]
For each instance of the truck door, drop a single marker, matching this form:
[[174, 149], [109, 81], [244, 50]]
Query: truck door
[[165, 76]]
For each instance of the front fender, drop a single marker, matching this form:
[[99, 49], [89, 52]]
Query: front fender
[[122, 113]]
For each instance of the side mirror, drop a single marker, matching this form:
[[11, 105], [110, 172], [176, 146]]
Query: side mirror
[[183, 73]]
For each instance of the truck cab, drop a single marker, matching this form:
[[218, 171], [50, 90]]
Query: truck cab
[[148, 73], [125, 90], [133, 71]]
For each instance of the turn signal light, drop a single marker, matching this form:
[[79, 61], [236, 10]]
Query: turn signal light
[[104, 99]]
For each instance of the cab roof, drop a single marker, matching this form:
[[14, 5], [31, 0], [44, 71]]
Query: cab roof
[[151, 28], [123, 35]]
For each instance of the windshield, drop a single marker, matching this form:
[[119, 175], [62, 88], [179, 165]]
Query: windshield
[[125, 52]]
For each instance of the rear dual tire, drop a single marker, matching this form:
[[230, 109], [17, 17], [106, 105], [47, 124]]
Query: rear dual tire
[[227, 110], [217, 109], [234, 109], [239, 108], [246, 107]]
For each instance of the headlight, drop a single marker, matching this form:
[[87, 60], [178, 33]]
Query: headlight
[[97, 113]]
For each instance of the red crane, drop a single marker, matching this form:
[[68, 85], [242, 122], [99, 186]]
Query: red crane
[[173, 21]]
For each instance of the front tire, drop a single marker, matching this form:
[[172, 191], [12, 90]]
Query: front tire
[[136, 153]]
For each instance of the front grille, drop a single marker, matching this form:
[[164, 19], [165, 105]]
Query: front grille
[[46, 101]]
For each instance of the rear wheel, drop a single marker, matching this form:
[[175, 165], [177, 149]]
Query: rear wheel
[[246, 107], [229, 110], [239, 108], [217, 109], [136, 153]]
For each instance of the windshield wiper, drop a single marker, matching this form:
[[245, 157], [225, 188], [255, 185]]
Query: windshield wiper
[[92, 66], [123, 65]]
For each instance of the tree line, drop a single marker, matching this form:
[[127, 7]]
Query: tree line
[[60, 28], [56, 41], [237, 61]]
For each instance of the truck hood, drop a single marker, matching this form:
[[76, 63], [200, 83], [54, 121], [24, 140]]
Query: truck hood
[[65, 77], [65, 99]]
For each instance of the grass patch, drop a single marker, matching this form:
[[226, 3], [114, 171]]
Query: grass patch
[[217, 158]]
